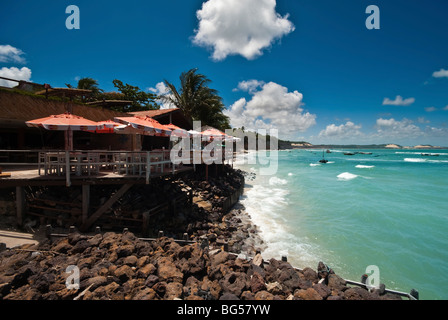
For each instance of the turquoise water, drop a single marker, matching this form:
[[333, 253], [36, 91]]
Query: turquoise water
[[388, 209]]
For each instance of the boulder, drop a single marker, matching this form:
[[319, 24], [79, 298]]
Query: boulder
[[234, 283], [167, 270]]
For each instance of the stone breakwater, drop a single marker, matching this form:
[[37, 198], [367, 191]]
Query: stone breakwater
[[120, 266]]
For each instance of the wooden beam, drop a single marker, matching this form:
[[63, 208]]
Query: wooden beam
[[107, 205]]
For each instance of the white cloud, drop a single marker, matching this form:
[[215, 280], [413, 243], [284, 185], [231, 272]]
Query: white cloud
[[272, 106], [445, 108], [162, 89], [422, 120], [9, 54], [398, 101], [14, 73], [391, 129], [430, 109], [442, 73], [234, 27], [250, 86], [349, 130]]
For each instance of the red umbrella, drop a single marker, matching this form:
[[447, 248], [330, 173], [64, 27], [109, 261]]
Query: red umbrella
[[178, 131], [108, 126], [66, 122], [147, 124]]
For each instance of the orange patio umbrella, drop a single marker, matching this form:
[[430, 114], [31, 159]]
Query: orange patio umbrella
[[178, 131], [66, 122], [108, 126], [147, 124]]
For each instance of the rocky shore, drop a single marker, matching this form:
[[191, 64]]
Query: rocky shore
[[221, 261], [120, 266]]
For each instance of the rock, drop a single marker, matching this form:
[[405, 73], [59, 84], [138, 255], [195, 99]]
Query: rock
[[124, 273], [145, 271], [79, 247], [310, 274], [322, 290], [151, 280], [96, 282], [308, 294], [274, 287], [247, 295], [146, 294], [167, 270], [212, 287], [234, 282], [289, 277], [264, 295], [257, 283], [173, 291], [229, 296], [258, 260], [357, 294], [336, 283], [125, 250], [130, 260]]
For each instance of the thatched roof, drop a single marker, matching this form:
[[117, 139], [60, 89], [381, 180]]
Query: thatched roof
[[64, 92], [16, 108]]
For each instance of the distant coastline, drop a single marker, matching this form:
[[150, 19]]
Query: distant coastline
[[306, 145]]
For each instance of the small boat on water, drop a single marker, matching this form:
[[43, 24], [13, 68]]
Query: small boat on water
[[323, 160], [365, 152], [349, 154]]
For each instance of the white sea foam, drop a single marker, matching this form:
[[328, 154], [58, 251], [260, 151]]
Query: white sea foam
[[414, 160], [314, 164], [347, 176], [274, 181], [361, 166], [290, 174], [265, 206]]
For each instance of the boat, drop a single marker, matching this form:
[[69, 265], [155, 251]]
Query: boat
[[328, 151], [349, 153], [323, 160], [365, 152]]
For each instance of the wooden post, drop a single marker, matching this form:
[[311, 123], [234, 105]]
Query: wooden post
[[106, 206], [85, 202], [148, 166], [145, 223], [20, 205], [68, 183]]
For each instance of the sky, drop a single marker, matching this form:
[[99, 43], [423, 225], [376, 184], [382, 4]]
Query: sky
[[311, 69]]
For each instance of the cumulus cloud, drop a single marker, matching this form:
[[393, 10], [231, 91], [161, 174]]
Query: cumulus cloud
[[232, 27], [394, 129], [349, 130], [271, 106], [10, 54], [250, 86], [161, 89], [14, 73], [399, 101], [430, 109], [442, 73]]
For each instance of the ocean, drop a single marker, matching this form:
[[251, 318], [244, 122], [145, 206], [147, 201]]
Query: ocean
[[388, 209]]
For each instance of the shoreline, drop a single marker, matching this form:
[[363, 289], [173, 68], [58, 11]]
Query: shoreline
[[224, 263]]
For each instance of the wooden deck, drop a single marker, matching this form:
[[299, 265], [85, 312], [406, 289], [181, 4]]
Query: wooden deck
[[30, 177]]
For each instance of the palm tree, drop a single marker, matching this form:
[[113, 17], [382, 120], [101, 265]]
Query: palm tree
[[88, 84], [197, 100]]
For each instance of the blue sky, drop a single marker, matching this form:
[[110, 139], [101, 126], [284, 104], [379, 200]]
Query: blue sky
[[310, 69]]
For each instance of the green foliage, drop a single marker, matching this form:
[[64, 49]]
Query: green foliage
[[140, 100], [197, 100]]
